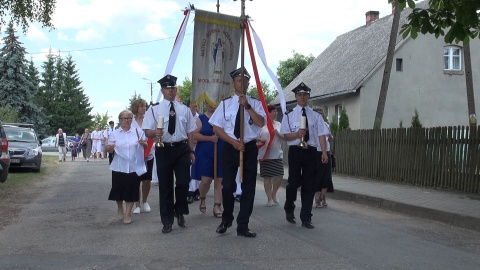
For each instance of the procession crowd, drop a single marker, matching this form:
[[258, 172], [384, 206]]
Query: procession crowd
[[184, 151]]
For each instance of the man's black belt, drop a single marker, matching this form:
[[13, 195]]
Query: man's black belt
[[175, 143]]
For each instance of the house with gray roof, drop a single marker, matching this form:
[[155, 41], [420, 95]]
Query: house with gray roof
[[427, 75]]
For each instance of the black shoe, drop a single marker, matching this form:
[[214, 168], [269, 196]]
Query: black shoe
[[189, 199], [237, 198], [290, 217], [196, 197], [180, 220], [246, 233], [222, 228], [167, 228], [308, 225]]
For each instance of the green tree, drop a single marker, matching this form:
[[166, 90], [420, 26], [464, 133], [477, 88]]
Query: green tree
[[100, 121], [459, 19], [343, 122], [185, 92], [133, 98], [16, 89], [268, 93], [34, 77], [25, 12], [416, 120], [8, 114], [289, 69], [78, 106]]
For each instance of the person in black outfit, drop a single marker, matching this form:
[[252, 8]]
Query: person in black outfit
[[177, 154], [302, 161], [226, 124]]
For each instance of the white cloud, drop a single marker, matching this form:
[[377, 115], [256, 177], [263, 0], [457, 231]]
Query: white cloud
[[62, 36], [108, 61], [36, 35], [154, 30], [138, 67], [114, 15], [87, 35]]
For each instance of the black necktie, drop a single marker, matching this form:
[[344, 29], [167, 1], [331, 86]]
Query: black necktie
[[307, 136], [171, 119], [236, 131]]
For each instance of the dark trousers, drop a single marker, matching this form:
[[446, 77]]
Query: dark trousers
[[302, 172], [110, 157], [231, 158], [170, 160], [324, 174]]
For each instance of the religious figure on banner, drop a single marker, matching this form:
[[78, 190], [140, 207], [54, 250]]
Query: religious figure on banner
[[218, 55]]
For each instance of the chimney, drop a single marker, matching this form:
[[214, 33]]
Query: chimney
[[371, 16]]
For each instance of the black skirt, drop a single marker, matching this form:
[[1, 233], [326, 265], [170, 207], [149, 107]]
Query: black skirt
[[125, 187]]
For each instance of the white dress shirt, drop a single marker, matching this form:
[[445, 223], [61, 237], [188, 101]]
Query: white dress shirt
[[316, 125], [184, 123], [226, 113]]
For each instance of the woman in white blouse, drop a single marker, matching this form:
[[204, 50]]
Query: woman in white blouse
[[128, 164]]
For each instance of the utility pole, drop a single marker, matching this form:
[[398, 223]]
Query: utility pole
[[151, 90]]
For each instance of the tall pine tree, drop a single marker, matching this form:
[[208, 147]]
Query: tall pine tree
[[16, 89], [78, 107]]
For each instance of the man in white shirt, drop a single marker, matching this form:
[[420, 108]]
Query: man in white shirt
[[62, 144]]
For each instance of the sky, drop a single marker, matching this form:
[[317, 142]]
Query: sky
[[121, 47]]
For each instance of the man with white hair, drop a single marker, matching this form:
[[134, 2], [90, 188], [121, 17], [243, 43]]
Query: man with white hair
[[61, 142]]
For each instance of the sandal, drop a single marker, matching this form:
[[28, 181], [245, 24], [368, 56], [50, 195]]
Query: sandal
[[217, 214], [318, 203], [203, 208]]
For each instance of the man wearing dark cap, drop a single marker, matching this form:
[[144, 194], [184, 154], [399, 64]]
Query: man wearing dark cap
[[226, 124], [302, 122], [106, 134], [176, 156]]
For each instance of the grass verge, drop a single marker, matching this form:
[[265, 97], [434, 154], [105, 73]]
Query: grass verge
[[20, 178]]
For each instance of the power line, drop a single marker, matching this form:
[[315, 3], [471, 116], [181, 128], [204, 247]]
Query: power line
[[113, 46]]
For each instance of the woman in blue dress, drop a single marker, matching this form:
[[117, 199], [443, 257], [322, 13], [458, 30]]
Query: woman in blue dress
[[204, 164]]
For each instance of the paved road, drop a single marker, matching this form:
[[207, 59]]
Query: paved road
[[71, 225]]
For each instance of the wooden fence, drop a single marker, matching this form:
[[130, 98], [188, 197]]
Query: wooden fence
[[443, 157]]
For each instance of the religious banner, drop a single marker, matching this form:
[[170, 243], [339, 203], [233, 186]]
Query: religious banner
[[216, 45]]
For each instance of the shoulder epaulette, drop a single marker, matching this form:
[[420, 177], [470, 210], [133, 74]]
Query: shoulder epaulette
[[154, 104], [226, 98], [289, 111]]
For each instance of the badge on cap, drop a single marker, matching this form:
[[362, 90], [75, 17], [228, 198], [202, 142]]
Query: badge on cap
[[168, 81], [238, 72], [301, 88]]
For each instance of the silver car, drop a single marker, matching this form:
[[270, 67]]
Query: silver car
[[24, 147]]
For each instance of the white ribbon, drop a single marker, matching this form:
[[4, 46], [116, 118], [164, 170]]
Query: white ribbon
[[261, 53], [176, 49]]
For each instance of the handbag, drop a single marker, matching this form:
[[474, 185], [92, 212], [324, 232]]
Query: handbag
[[334, 160], [84, 143]]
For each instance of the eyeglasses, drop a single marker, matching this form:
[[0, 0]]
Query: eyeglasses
[[126, 119]]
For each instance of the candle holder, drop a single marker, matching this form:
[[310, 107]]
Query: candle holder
[[159, 141], [302, 142]]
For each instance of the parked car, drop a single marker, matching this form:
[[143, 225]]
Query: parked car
[[4, 155], [48, 144], [24, 146]]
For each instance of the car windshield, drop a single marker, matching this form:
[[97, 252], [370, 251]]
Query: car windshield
[[20, 135]]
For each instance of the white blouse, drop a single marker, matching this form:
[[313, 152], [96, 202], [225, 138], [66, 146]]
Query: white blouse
[[128, 156]]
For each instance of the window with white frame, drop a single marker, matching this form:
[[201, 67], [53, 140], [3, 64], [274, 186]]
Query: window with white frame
[[338, 111], [452, 58]]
